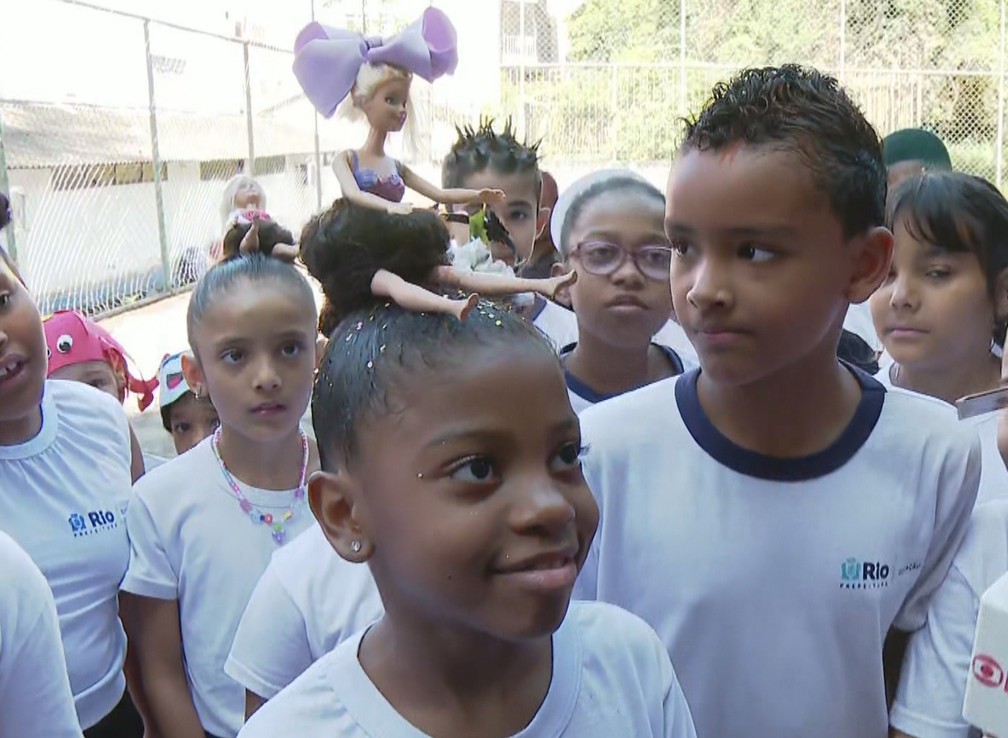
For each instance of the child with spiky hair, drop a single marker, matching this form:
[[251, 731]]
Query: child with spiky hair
[[498, 159]]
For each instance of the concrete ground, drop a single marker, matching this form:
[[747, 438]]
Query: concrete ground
[[148, 333]]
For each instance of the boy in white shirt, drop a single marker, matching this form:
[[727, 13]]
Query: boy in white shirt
[[483, 154], [779, 509]]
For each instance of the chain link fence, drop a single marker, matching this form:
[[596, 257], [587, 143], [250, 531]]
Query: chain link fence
[[608, 81], [116, 159]]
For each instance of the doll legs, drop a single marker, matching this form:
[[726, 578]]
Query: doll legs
[[414, 297], [498, 285]]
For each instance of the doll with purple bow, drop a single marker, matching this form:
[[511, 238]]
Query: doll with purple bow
[[372, 76]]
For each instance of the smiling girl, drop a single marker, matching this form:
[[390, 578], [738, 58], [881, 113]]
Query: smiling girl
[[474, 530]]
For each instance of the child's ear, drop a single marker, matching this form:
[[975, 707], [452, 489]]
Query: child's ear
[[193, 374], [333, 497], [563, 294], [872, 256], [542, 221]]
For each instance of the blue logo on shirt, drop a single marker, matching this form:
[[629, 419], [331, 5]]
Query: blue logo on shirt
[[856, 574], [97, 520], [77, 523]]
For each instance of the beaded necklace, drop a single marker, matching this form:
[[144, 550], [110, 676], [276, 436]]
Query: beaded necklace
[[277, 524]]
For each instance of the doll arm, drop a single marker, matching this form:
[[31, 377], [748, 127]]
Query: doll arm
[[353, 193], [414, 297], [498, 285], [455, 196]]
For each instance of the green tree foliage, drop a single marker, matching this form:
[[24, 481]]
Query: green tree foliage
[[907, 62]]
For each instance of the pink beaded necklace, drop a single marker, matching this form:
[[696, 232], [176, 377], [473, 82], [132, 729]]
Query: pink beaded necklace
[[277, 523]]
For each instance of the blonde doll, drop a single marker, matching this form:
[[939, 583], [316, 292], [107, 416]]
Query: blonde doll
[[376, 74]]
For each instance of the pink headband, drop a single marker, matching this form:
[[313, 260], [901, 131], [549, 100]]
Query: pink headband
[[74, 339]]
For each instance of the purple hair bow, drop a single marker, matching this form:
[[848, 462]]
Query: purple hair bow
[[327, 60]]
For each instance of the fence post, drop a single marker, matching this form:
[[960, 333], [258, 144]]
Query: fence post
[[842, 72], [166, 271], [614, 108], [521, 68], [5, 187], [250, 169], [683, 97], [999, 145]]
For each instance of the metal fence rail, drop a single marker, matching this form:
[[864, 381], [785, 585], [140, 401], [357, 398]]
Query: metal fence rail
[[116, 159]]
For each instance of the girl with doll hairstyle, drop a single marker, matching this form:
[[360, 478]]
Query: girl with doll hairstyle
[[473, 531], [356, 252]]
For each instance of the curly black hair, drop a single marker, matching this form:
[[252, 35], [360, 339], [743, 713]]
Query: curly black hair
[[380, 353], [480, 148], [806, 113]]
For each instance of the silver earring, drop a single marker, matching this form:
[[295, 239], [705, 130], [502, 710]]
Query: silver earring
[[355, 546], [197, 392]]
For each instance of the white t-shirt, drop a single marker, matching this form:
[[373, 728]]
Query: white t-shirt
[[929, 700], [558, 324], [611, 677], [65, 494], [307, 602], [994, 477], [994, 474], [192, 543], [773, 582], [859, 321], [35, 696], [583, 397]]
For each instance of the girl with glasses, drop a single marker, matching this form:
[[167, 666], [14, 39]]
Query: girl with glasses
[[608, 228]]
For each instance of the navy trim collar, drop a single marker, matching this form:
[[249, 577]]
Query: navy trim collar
[[585, 392], [753, 464]]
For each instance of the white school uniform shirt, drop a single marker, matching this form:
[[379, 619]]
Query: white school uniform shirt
[[611, 677], [773, 582], [64, 500], [859, 321], [929, 699], [192, 543], [583, 397], [307, 602], [994, 473], [35, 696], [557, 323]]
